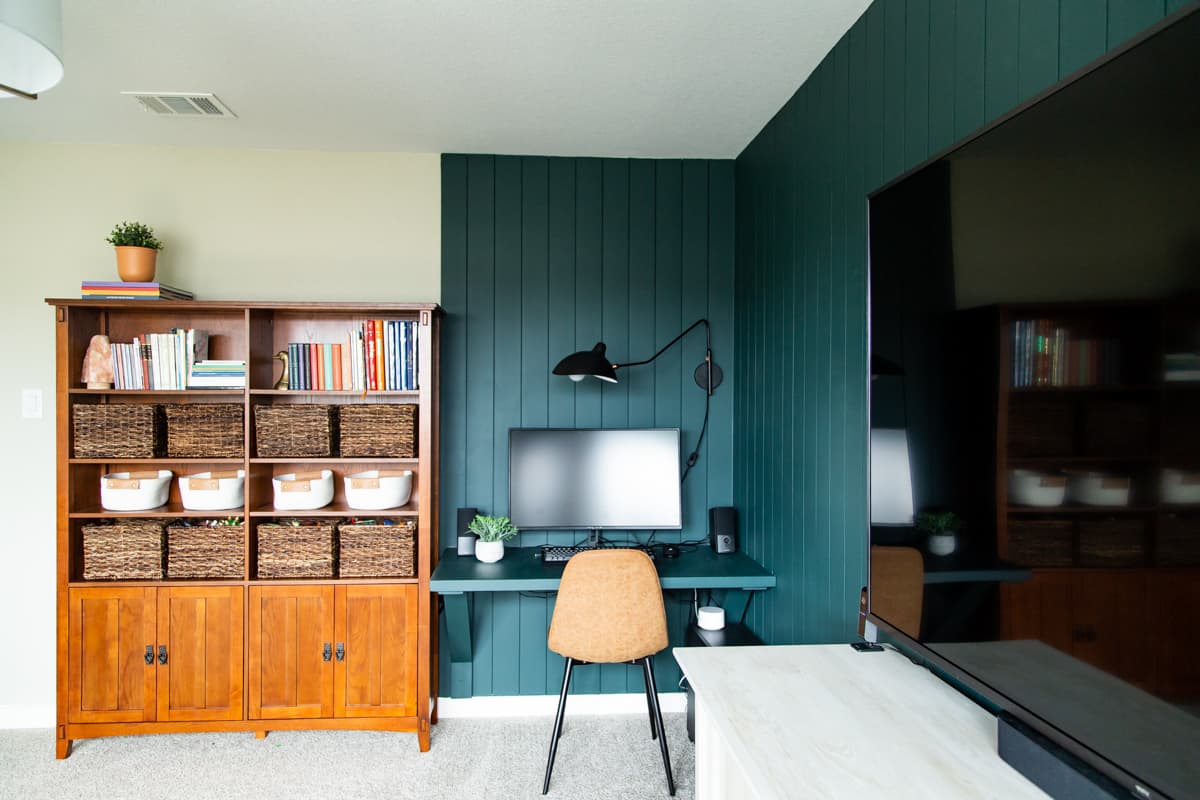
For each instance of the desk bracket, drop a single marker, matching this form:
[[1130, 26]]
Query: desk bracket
[[458, 640]]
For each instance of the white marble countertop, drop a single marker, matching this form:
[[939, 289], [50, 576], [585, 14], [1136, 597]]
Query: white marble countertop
[[827, 721]]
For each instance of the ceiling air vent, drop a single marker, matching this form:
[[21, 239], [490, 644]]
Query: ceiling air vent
[[182, 104]]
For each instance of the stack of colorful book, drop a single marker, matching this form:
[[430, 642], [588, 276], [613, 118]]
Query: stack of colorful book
[[217, 374], [380, 355], [132, 290]]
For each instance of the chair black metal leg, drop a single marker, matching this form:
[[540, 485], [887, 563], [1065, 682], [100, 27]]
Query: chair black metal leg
[[558, 721], [652, 689], [650, 711]]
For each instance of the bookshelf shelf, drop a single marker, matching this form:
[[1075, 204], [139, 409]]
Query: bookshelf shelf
[[389, 621]]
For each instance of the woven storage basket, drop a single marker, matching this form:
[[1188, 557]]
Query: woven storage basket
[[1177, 542], [1040, 543], [377, 551], [1112, 543], [1117, 428], [296, 551], [199, 551], [119, 430], [1039, 428], [204, 430], [295, 430], [125, 550], [388, 431]]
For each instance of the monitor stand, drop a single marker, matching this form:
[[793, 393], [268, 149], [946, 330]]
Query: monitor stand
[[593, 539]]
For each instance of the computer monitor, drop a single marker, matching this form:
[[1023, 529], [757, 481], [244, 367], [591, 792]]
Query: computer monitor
[[577, 479]]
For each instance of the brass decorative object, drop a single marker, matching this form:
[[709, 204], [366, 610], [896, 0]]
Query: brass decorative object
[[282, 357]]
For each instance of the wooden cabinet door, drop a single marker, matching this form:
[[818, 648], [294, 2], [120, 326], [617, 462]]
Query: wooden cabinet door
[[377, 627], [290, 629], [1174, 637], [109, 679], [201, 629]]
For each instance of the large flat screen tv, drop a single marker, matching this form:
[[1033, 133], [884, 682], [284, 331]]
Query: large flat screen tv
[[1035, 292], [594, 479]]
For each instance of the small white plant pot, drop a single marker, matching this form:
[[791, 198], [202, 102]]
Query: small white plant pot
[[489, 552], [942, 545]]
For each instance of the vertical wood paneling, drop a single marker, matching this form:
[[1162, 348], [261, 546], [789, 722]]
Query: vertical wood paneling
[[506, 402], [546, 256], [909, 78], [1083, 33], [535, 382], [970, 56], [1037, 47], [1127, 17], [1000, 72]]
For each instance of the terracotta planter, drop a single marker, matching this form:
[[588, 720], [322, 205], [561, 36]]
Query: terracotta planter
[[136, 263]]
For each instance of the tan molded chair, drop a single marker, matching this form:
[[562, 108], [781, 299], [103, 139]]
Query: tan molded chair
[[610, 610], [898, 587]]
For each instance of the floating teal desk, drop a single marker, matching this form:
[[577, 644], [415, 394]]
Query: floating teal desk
[[732, 577]]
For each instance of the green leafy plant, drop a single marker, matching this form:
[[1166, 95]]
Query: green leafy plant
[[938, 523], [492, 529], [133, 234]]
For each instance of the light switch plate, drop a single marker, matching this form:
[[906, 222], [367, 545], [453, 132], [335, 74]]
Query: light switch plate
[[31, 403]]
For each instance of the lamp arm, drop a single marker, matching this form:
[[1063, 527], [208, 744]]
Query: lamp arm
[[667, 346]]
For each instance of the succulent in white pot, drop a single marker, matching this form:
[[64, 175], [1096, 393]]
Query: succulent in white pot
[[942, 528], [492, 533]]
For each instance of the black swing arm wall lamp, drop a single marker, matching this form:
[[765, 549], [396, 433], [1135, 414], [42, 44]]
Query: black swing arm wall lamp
[[594, 362]]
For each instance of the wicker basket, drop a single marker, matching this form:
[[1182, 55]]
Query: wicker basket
[[119, 430], [1177, 543], [377, 551], [1039, 428], [387, 431], [1112, 543], [125, 550], [295, 431], [200, 551], [296, 551], [1040, 543], [204, 430]]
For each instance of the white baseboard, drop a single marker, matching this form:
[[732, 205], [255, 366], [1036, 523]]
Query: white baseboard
[[42, 716], [27, 716], [546, 705]]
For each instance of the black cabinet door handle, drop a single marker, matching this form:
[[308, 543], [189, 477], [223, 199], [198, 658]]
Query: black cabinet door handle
[[162, 654], [341, 651], [326, 652], [149, 655]]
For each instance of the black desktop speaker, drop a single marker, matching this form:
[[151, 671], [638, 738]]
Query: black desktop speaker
[[466, 539], [722, 529]]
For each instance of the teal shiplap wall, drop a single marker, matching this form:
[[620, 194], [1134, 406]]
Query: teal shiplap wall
[[909, 79], [545, 256]]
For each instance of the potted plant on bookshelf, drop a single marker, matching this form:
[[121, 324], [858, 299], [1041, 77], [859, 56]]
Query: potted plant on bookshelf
[[942, 528], [492, 533], [137, 250]]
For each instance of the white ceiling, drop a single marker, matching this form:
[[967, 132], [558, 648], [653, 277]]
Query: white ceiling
[[651, 78]]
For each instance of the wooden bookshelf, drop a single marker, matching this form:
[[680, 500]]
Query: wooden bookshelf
[[242, 653]]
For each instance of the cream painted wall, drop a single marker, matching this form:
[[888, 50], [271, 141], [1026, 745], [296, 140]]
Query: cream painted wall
[[237, 224]]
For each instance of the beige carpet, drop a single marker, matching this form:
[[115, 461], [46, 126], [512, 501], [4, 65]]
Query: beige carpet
[[599, 757]]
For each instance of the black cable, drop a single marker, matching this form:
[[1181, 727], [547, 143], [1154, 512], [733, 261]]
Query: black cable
[[695, 456]]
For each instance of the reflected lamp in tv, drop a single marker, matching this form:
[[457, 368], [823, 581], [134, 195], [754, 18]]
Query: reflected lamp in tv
[[891, 477]]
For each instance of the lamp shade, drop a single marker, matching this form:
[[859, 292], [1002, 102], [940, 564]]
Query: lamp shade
[[30, 45], [588, 362]]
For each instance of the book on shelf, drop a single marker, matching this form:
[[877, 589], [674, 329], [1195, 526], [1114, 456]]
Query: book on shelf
[[218, 374], [132, 290], [377, 356], [158, 361], [1048, 355]]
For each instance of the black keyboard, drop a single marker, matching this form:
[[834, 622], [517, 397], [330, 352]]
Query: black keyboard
[[559, 553], [556, 553]]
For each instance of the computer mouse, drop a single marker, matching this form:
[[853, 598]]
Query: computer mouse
[[670, 551]]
